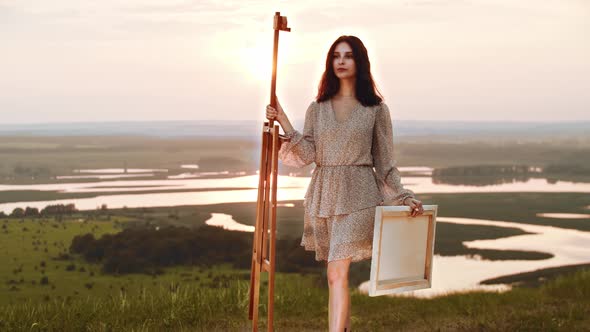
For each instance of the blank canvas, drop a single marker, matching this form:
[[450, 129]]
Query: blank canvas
[[403, 247]]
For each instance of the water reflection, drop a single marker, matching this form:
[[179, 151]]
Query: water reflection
[[193, 175], [120, 170], [226, 221], [290, 188], [568, 247], [417, 170], [103, 176], [564, 215]]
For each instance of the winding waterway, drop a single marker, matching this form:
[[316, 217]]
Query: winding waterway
[[567, 246], [290, 188], [450, 273]]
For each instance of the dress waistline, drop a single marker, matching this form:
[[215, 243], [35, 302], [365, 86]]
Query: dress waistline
[[317, 165]]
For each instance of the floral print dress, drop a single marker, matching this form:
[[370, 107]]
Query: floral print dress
[[355, 171]]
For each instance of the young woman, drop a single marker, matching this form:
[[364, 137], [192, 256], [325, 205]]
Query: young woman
[[347, 132]]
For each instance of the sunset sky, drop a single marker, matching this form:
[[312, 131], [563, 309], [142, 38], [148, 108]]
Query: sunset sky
[[480, 60]]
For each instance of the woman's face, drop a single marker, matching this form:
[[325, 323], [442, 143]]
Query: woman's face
[[344, 66]]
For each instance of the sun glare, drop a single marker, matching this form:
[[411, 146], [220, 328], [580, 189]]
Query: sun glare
[[257, 58], [258, 62]]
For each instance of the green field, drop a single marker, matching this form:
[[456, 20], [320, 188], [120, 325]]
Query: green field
[[189, 298], [23, 241], [559, 305], [44, 288]]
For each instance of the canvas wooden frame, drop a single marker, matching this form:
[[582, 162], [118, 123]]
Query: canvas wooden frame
[[403, 247]]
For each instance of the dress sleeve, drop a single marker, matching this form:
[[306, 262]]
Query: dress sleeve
[[299, 150], [388, 176]]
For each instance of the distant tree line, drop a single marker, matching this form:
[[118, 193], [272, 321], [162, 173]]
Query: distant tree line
[[570, 169], [147, 250], [482, 170], [49, 210], [32, 172], [483, 175]]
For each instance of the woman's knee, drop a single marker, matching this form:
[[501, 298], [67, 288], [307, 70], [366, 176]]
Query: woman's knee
[[337, 273], [337, 278]]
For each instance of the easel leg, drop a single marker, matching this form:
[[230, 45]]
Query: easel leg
[[258, 237], [263, 253], [273, 229]]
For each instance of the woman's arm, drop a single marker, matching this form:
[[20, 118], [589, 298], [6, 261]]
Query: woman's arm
[[389, 179], [299, 149], [280, 115], [287, 126]]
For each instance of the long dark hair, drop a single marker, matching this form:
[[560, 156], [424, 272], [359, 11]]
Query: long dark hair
[[365, 89]]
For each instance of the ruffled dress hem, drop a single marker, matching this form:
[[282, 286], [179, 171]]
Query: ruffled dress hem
[[346, 251]]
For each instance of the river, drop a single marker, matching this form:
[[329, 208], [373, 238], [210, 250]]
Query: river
[[290, 188], [567, 246]]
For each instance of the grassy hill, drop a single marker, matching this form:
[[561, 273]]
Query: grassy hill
[[41, 288], [562, 304]]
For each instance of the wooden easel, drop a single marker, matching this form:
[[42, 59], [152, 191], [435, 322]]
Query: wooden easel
[[266, 204]]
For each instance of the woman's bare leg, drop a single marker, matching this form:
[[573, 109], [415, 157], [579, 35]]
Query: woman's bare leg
[[347, 325], [339, 306]]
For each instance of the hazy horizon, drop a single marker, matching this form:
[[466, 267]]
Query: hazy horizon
[[471, 61], [250, 129], [295, 120]]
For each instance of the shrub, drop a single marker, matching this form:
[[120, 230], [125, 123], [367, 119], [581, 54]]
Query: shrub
[[44, 280], [17, 213]]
